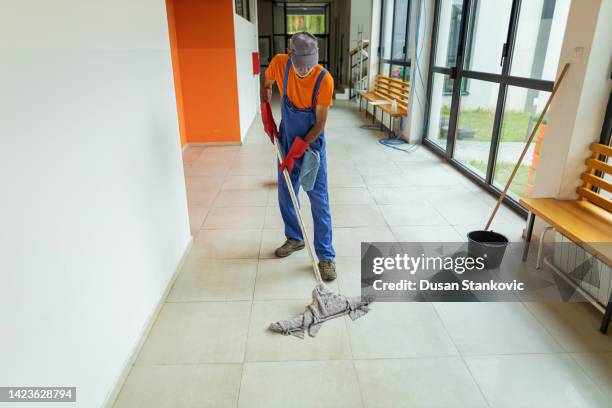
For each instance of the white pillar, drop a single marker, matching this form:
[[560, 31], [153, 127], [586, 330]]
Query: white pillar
[[374, 43], [576, 114], [423, 10]]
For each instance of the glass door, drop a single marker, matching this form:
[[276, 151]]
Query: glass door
[[533, 60], [484, 65], [310, 17], [493, 64], [443, 71], [394, 50]]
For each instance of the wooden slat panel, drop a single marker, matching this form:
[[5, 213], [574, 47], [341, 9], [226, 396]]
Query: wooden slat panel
[[405, 91], [381, 95], [594, 198], [398, 96], [399, 90], [596, 181], [601, 149], [599, 165], [392, 95], [393, 81], [402, 89], [390, 89], [397, 80]]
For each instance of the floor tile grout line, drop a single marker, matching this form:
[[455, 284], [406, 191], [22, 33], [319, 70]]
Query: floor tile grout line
[[604, 392], [541, 323], [194, 159], [404, 358], [240, 384], [359, 387], [246, 343], [350, 345], [461, 356]]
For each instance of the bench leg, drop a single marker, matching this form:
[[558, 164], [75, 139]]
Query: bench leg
[[530, 223], [541, 246], [391, 127], [382, 119], [374, 115], [605, 322]]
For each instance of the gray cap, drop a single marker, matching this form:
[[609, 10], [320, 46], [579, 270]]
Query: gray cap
[[304, 50]]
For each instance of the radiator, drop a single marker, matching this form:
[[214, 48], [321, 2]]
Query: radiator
[[586, 271]]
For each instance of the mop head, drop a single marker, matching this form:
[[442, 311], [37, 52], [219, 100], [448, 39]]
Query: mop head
[[326, 305]]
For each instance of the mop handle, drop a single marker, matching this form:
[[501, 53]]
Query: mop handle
[[315, 266], [533, 133]]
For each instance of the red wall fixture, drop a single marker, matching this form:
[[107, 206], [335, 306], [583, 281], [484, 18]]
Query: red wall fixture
[[255, 63]]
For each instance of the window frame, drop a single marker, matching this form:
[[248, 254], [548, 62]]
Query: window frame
[[406, 63], [246, 9], [323, 60], [459, 73]]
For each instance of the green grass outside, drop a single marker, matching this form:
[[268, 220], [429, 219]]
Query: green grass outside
[[515, 125], [502, 173], [314, 24]]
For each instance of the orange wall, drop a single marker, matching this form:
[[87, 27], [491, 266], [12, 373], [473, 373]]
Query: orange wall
[[204, 63], [176, 71]]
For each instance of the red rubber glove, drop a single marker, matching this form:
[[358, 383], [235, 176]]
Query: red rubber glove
[[297, 150], [268, 121]]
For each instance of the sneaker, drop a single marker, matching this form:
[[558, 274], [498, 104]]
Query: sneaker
[[328, 270], [289, 247]]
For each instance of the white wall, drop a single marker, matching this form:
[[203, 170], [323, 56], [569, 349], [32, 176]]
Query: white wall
[[576, 114], [361, 19], [245, 39], [94, 213], [374, 43]]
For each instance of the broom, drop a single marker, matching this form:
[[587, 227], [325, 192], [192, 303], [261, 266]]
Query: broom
[[533, 133]]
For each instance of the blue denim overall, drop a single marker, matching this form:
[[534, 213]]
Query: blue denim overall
[[297, 122]]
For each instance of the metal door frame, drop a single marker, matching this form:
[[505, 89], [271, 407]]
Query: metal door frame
[[458, 74]]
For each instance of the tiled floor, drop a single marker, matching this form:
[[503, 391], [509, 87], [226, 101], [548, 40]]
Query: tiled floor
[[210, 347]]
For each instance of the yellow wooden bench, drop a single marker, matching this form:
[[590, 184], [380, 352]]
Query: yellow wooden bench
[[586, 221], [388, 89]]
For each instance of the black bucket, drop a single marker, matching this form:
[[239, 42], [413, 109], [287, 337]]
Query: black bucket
[[489, 245]]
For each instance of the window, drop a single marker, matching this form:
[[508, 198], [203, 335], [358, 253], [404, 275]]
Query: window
[[400, 31], [242, 8], [453, 38], [394, 48], [508, 53], [307, 18], [452, 47], [290, 18]]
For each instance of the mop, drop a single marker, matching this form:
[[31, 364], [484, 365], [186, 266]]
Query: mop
[[326, 305]]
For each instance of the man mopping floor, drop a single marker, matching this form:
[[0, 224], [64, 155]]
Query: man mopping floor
[[306, 95]]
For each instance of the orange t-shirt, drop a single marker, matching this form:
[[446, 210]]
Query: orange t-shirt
[[299, 90]]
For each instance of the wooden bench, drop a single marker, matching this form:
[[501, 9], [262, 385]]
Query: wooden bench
[[586, 221], [386, 90]]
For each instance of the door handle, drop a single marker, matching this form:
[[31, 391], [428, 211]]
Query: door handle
[[504, 54]]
